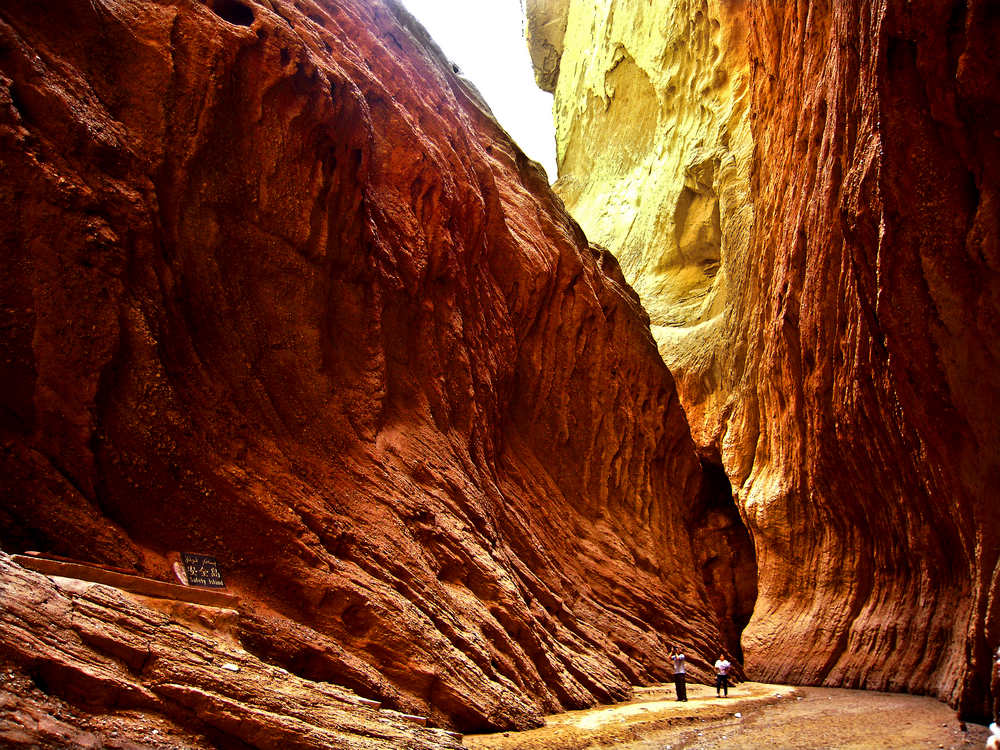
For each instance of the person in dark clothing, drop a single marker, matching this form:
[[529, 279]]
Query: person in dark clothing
[[679, 673]]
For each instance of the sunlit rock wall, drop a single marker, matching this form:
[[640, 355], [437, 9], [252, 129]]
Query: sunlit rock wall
[[545, 27], [653, 149], [840, 360]]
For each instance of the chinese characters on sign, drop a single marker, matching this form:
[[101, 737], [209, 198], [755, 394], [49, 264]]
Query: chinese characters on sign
[[202, 570]]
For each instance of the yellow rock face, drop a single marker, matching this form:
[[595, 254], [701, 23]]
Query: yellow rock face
[[545, 30], [654, 151]]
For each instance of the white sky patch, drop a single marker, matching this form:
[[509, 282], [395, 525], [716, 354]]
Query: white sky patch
[[486, 39]]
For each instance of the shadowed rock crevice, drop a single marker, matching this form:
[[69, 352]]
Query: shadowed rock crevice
[[233, 11], [725, 554]]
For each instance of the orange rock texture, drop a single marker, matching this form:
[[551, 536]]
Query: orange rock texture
[[173, 674], [871, 487], [844, 372], [277, 288]]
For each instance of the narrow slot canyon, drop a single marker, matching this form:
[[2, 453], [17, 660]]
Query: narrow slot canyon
[[331, 418]]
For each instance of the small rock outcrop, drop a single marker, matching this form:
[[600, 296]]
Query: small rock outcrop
[[545, 27], [278, 289], [805, 197]]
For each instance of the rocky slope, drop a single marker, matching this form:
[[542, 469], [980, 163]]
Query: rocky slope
[[277, 288], [84, 665], [836, 351]]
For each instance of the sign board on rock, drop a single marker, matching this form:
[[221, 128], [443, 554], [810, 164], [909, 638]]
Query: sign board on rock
[[202, 570]]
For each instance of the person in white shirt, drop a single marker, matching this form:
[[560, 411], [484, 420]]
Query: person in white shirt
[[678, 661], [722, 667], [993, 741]]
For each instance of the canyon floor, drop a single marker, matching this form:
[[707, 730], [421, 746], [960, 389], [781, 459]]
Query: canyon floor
[[755, 715]]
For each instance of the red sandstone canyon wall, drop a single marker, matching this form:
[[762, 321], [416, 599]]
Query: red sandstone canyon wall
[[840, 357], [278, 289], [871, 383]]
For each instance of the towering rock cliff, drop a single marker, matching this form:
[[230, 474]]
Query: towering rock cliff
[[653, 150], [277, 288], [841, 353]]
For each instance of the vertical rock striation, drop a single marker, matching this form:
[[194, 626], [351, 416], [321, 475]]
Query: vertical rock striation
[[877, 236], [845, 381], [654, 152], [277, 288]]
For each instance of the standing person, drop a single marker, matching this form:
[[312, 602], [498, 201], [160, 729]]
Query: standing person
[[995, 686], [722, 667], [995, 689], [678, 660]]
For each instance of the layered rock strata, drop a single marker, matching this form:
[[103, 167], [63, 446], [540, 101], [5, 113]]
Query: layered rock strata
[[844, 376], [278, 289], [172, 674]]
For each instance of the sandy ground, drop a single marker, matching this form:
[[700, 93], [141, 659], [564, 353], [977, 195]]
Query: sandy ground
[[773, 717]]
